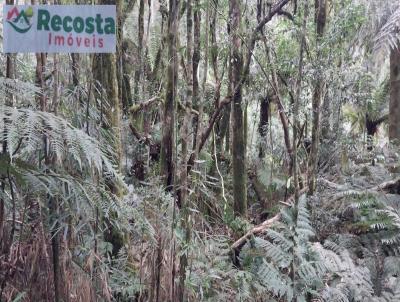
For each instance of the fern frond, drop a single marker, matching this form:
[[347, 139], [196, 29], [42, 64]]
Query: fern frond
[[303, 223], [19, 89], [271, 278], [275, 253], [279, 239], [25, 129], [388, 35], [331, 294]]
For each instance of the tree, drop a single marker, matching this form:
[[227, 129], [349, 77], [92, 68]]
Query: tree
[[394, 107], [321, 7], [105, 80], [73, 227], [265, 104], [296, 105], [238, 133], [185, 135], [104, 70], [168, 136], [140, 52]]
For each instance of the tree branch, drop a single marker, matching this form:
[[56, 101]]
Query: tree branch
[[147, 140], [141, 106], [286, 14]]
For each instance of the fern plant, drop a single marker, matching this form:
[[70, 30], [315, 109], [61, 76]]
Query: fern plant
[[73, 160], [22, 91], [47, 161], [388, 33], [354, 282], [284, 262]]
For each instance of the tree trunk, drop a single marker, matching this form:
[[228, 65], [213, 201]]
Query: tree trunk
[[41, 61], [123, 65], [326, 119], [320, 20], [282, 113], [185, 134], [263, 124], [238, 135], [222, 124], [223, 129], [139, 69], [4, 244], [75, 66], [167, 148], [394, 107], [76, 72], [296, 124], [326, 105], [104, 71], [195, 64], [105, 77]]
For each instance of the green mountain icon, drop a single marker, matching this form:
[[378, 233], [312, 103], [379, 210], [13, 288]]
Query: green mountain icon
[[22, 15], [22, 18]]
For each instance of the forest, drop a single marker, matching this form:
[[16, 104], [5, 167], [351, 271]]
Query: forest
[[226, 151]]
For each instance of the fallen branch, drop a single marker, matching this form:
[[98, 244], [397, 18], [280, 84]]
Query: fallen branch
[[391, 186], [332, 185], [254, 231], [238, 244], [264, 225]]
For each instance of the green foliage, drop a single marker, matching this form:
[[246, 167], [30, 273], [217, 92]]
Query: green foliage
[[49, 161], [52, 159], [22, 91], [284, 263], [349, 281], [376, 216], [380, 97], [352, 282], [237, 224], [388, 35]]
